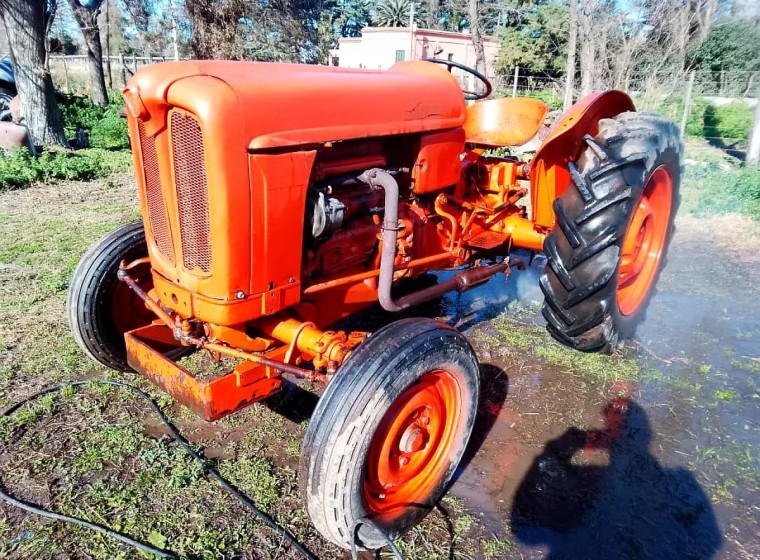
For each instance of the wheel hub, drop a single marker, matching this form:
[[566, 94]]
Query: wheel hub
[[413, 439], [412, 445]]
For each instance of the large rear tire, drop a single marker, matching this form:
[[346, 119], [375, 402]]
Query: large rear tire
[[614, 226], [389, 432], [100, 307]]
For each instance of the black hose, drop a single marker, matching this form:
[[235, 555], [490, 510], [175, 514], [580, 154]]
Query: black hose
[[369, 523], [242, 498]]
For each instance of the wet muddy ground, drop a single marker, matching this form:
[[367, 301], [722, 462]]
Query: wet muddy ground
[[656, 456]]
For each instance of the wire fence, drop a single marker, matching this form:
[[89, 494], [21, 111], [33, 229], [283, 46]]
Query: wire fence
[[717, 106]]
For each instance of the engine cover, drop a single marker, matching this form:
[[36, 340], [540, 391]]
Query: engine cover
[[225, 154]]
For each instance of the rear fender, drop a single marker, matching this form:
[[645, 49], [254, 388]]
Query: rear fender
[[549, 176]]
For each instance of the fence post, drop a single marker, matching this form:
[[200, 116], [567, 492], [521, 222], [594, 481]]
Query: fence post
[[66, 74], [123, 70], [687, 103], [514, 85], [753, 154]]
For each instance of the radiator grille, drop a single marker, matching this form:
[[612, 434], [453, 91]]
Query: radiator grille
[[192, 191], [159, 222]]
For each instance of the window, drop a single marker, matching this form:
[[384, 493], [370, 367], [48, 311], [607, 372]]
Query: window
[[400, 55]]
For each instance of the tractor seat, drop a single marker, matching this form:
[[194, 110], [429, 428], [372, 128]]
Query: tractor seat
[[509, 121]]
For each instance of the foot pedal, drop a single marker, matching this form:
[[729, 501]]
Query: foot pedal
[[488, 240]]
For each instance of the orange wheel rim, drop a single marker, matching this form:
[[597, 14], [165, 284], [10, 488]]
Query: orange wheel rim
[[411, 448], [644, 242]]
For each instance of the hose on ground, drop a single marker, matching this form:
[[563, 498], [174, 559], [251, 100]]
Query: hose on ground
[[209, 469], [369, 523]]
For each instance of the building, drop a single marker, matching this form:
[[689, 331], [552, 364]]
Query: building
[[381, 47]]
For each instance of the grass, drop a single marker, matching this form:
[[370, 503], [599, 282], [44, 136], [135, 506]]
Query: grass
[[19, 169], [514, 335], [715, 184]]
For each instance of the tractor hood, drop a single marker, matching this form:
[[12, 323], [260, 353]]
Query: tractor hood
[[287, 105]]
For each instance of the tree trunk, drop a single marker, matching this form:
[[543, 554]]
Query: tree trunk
[[433, 14], [572, 42], [477, 38], [25, 27], [87, 20], [108, 45], [588, 52]]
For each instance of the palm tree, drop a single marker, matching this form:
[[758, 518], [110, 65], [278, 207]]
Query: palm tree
[[395, 13]]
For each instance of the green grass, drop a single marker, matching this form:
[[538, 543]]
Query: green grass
[[516, 336], [715, 184]]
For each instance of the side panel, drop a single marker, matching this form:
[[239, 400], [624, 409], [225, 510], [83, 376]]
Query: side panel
[[278, 202], [438, 163], [548, 175]]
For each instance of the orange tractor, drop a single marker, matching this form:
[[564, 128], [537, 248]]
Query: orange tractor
[[278, 199]]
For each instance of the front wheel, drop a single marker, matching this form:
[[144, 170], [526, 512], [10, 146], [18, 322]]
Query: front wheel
[[614, 226], [101, 308], [389, 432]]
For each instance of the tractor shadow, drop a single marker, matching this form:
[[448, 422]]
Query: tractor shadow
[[627, 505], [293, 402]]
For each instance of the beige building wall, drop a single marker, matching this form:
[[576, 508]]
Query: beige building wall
[[381, 47]]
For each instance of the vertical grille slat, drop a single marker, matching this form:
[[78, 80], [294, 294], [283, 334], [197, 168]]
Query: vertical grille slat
[[159, 221], [192, 191]]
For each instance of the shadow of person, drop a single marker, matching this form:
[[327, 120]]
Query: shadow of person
[[633, 507]]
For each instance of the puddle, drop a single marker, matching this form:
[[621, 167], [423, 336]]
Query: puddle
[[681, 482]]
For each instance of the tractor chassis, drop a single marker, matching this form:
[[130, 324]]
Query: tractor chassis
[[259, 375]]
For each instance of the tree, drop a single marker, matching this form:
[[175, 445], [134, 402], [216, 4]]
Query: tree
[[730, 46], [351, 16], [536, 40], [86, 15], [571, 48], [477, 39], [25, 24], [215, 28], [433, 14], [395, 13]]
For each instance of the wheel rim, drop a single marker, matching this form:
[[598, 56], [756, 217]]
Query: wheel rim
[[644, 242], [411, 448]]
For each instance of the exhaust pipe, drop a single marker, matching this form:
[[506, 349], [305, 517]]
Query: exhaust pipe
[[379, 178]]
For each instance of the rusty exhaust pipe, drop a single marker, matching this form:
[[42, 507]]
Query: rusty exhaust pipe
[[378, 178]]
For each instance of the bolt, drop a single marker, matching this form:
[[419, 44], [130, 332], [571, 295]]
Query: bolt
[[291, 280], [424, 420], [403, 461], [240, 294]]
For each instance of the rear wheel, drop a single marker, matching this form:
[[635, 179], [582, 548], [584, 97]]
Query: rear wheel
[[100, 307], [389, 432], [614, 225]]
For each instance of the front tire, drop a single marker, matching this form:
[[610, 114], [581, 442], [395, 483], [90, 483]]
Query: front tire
[[614, 226], [100, 307], [389, 432]]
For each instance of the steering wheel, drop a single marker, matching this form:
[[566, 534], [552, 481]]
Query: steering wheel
[[468, 95]]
